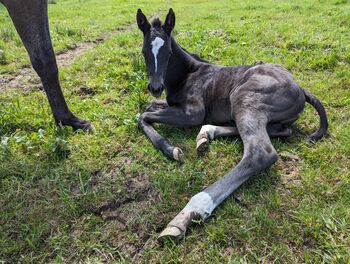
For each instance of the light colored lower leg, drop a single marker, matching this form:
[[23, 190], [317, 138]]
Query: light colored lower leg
[[258, 155], [200, 206], [210, 132]]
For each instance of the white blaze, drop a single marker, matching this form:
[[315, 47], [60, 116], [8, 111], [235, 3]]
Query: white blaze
[[157, 43]]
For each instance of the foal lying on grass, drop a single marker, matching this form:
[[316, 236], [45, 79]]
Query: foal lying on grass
[[263, 100]]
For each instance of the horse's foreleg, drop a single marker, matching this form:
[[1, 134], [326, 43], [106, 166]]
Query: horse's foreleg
[[171, 116], [31, 21], [155, 105], [258, 155]]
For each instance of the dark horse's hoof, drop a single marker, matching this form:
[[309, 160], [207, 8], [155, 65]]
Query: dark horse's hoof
[[76, 123]]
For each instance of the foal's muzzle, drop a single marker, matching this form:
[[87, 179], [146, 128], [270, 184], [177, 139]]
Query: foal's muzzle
[[156, 90]]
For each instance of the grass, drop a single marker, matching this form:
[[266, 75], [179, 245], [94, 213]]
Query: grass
[[104, 197]]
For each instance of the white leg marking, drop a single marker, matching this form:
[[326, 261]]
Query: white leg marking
[[202, 204], [157, 43], [209, 129], [215, 131]]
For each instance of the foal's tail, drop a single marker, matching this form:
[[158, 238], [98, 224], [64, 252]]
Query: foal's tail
[[321, 132]]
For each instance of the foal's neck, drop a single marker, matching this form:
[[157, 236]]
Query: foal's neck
[[180, 64]]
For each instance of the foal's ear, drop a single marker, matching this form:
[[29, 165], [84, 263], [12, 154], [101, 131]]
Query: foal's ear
[[142, 22], [169, 23]]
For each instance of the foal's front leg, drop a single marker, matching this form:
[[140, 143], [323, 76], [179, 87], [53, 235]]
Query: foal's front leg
[[155, 105], [173, 116]]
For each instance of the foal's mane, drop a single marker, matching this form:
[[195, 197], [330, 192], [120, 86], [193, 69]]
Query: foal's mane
[[195, 56], [156, 23]]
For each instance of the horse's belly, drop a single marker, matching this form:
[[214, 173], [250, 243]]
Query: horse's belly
[[219, 111]]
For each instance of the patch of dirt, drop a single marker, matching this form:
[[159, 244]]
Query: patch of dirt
[[289, 164], [133, 214], [129, 210], [85, 91], [137, 190], [27, 79]]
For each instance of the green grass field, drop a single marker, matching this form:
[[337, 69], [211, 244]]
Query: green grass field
[[71, 197]]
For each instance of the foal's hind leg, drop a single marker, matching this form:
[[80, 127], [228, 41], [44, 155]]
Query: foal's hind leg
[[31, 21], [279, 130], [258, 155], [210, 132]]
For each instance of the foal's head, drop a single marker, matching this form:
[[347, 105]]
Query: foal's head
[[156, 48]]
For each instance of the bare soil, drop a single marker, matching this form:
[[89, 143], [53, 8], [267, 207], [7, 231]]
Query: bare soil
[[27, 79]]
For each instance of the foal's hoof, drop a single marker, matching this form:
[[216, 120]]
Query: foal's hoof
[[178, 154], [202, 145], [177, 227], [171, 233]]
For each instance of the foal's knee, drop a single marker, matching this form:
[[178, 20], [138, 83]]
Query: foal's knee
[[142, 119]]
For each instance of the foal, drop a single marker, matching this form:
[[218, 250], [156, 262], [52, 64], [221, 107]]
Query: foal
[[262, 100]]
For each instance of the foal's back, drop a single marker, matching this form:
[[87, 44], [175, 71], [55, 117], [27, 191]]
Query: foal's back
[[263, 88]]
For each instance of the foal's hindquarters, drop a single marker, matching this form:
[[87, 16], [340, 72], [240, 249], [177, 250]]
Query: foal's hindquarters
[[265, 104]]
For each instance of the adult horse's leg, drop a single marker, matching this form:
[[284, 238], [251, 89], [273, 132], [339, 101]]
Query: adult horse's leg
[[258, 155], [31, 21]]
